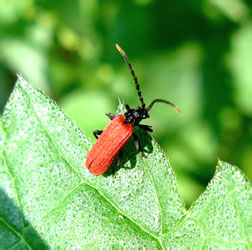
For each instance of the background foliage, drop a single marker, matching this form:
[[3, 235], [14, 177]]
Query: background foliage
[[196, 54]]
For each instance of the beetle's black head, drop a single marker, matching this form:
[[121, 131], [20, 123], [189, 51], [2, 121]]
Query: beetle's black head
[[135, 116]]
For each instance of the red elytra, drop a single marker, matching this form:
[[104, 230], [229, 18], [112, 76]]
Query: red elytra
[[119, 130], [108, 145]]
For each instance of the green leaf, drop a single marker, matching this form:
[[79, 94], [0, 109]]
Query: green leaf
[[221, 217], [49, 199], [45, 153]]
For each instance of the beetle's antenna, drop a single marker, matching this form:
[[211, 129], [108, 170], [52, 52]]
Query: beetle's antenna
[[126, 59], [164, 101]]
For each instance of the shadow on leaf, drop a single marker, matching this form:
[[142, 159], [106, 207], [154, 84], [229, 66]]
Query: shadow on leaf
[[130, 152], [15, 231]]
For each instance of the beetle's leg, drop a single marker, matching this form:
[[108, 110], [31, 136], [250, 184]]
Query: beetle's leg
[[145, 127], [97, 132], [136, 141], [137, 144], [127, 107], [119, 160], [111, 116]]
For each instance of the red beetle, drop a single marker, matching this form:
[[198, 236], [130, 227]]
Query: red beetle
[[119, 130]]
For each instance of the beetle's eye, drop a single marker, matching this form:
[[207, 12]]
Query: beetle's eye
[[146, 116]]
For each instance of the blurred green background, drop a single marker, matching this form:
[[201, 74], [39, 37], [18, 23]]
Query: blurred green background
[[197, 54]]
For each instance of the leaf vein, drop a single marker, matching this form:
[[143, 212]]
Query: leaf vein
[[62, 201], [15, 232]]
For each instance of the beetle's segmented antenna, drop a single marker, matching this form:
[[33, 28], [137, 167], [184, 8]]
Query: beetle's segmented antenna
[[164, 101], [126, 59]]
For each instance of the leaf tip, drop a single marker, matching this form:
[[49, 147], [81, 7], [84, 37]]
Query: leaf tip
[[20, 80]]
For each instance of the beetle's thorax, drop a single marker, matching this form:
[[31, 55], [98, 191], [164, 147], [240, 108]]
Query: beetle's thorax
[[135, 116]]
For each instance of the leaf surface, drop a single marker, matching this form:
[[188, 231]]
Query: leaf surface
[[49, 199], [44, 153], [221, 217]]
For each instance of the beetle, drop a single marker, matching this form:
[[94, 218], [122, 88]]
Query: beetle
[[111, 141]]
